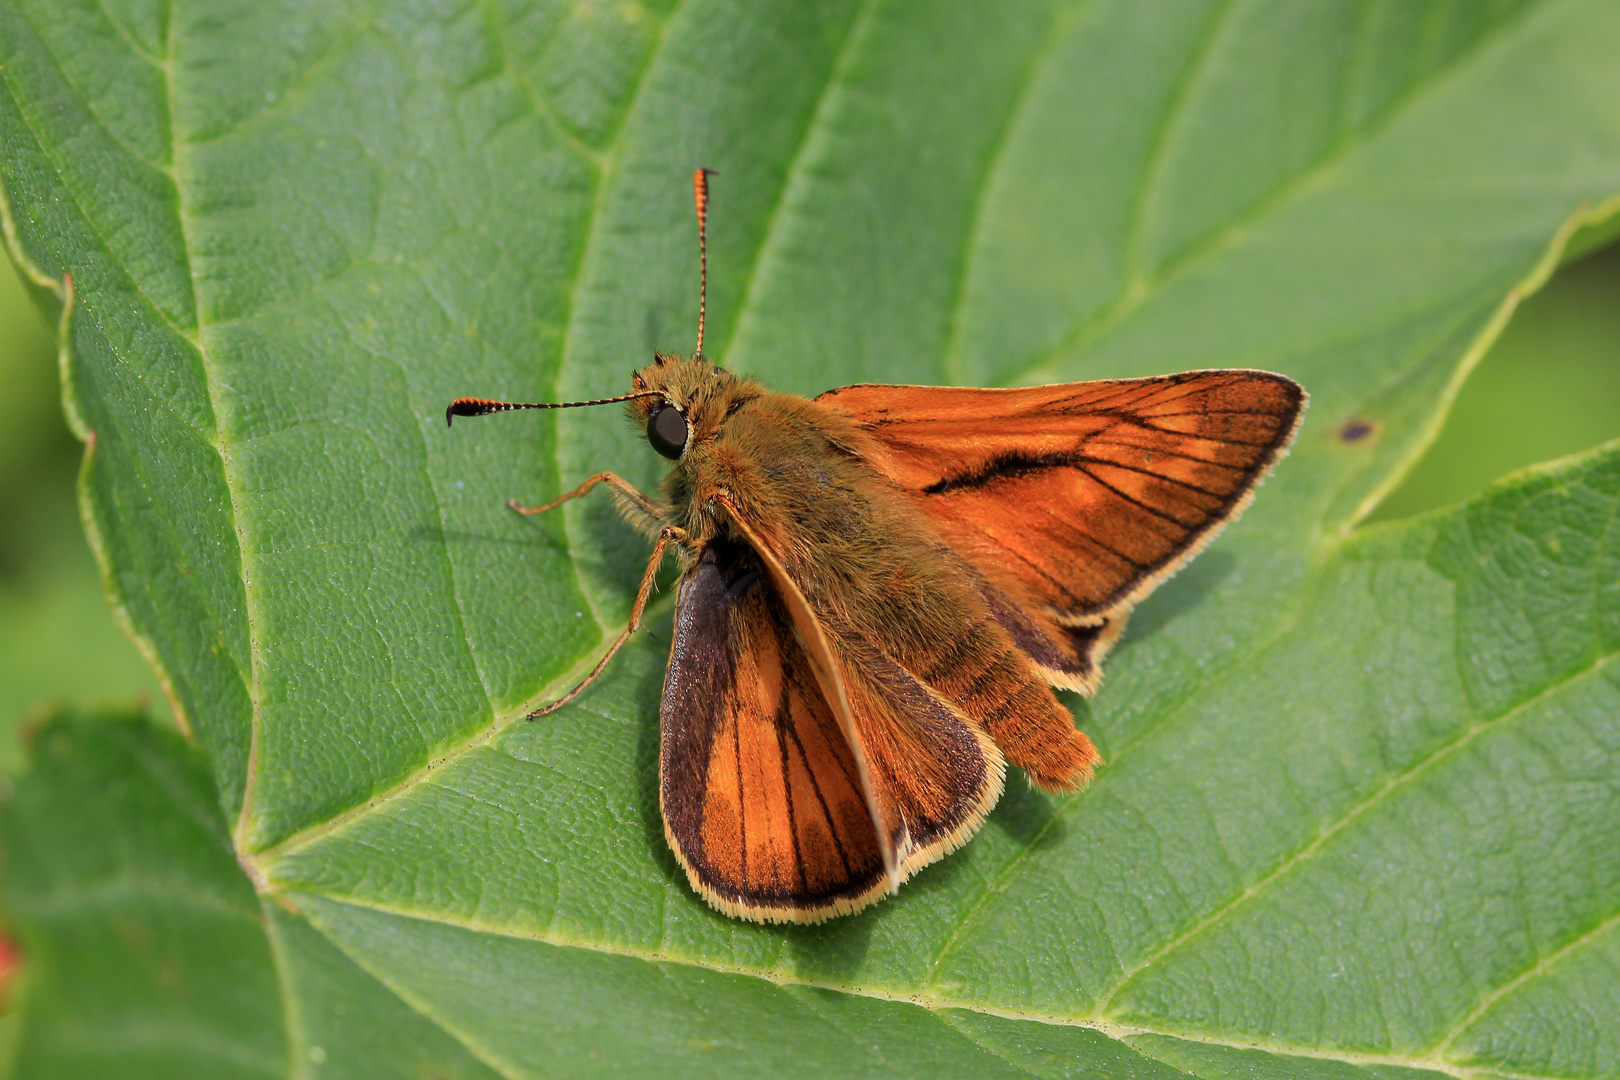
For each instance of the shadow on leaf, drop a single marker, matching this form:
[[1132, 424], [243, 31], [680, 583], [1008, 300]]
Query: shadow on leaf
[[1180, 594]]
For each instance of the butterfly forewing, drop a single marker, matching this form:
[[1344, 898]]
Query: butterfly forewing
[[1079, 498]]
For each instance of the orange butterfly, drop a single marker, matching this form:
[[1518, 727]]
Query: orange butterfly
[[879, 589]]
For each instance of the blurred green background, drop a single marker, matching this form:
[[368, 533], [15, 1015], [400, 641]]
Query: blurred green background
[[1550, 386], [58, 641]]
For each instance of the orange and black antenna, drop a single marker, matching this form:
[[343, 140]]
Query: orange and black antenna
[[473, 406], [470, 406], [700, 195]]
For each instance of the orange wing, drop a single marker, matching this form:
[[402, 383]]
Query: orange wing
[[1079, 499], [771, 810]]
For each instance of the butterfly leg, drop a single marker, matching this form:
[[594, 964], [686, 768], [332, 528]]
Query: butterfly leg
[[642, 512], [669, 534]]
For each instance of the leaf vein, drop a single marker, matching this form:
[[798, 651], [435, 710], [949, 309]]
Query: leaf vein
[[301, 84], [537, 101], [1153, 167], [90, 107], [292, 1013], [1139, 290], [853, 37], [947, 1020], [972, 241], [1488, 1000], [1350, 815], [605, 175], [221, 441], [1118, 1032], [476, 1049], [1002, 880]]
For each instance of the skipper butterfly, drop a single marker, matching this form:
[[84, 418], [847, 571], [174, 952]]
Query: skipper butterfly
[[880, 588]]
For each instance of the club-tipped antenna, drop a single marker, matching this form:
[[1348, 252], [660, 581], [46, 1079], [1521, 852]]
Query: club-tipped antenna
[[700, 196], [472, 406]]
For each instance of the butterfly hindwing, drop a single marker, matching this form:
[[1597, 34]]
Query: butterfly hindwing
[[935, 775], [768, 807], [762, 798]]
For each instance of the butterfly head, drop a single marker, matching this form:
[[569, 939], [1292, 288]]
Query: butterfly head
[[686, 401], [681, 403]]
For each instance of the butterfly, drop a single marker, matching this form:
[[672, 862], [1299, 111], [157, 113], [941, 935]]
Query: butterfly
[[881, 587]]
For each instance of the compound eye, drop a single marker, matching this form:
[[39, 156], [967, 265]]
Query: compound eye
[[666, 430]]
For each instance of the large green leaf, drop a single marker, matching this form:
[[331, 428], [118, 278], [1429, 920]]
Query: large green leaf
[[1361, 793], [1440, 889]]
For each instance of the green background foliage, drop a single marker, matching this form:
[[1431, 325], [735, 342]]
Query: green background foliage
[[1363, 782]]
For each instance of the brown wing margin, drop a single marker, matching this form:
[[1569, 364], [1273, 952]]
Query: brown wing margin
[[765, 802], [1079, 499]]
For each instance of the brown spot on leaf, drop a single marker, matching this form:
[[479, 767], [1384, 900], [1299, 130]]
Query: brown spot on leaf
[[1358, 430]]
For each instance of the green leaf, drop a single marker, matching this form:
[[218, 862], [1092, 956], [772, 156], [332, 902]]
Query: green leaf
[[1361, 790], [58, 641], [1482, 800], [1548, 387], [145, 954], [148, 953]]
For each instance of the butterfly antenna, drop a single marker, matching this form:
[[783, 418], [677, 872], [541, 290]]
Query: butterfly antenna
[[472, 406], [700, 195]]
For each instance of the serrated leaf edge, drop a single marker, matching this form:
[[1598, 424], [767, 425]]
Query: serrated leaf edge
[[63, 290]]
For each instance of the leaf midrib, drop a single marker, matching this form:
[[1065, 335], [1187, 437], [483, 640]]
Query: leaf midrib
[[221, 441], [933, 1003]]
